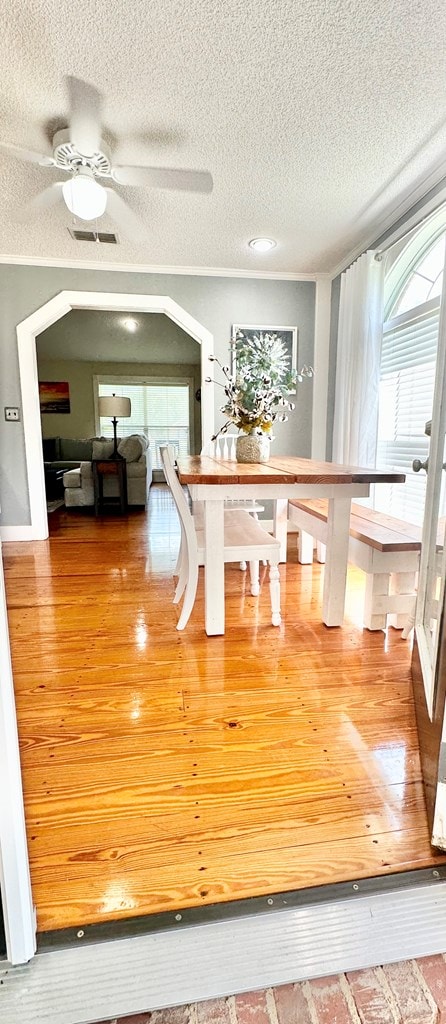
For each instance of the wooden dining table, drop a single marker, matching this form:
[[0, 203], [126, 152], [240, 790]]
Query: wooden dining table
[[212, 481]]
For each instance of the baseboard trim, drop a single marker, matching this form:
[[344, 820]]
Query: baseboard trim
[[18, 533]]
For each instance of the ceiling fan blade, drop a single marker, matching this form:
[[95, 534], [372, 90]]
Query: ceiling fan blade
[[164, 177], [43, 201], [127, 221], [31, 157], [85, 116]]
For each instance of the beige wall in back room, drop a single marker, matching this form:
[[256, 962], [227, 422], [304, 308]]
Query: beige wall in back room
[[79, 422]]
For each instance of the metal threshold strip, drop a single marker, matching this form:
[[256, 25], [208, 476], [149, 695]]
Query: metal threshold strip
[[293, 937]]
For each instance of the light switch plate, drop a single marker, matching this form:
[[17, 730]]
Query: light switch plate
[[12, 413]]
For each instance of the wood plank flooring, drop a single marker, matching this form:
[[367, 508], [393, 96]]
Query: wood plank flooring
[[163, 769]]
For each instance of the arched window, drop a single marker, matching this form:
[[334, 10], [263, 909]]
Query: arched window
[[425, 281], [412, 293]]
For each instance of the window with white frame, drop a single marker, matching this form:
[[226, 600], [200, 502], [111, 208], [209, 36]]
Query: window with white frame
[[160, 409], [410, 334]]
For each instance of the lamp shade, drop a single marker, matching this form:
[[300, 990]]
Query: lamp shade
[[114, 405]]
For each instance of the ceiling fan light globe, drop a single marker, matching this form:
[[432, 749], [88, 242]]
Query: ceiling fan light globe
[[85, 197]]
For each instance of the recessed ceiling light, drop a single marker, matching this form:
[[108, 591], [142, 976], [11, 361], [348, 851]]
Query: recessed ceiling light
[[130, 324], [262, 244]]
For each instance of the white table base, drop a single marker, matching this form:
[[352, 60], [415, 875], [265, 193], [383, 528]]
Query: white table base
[[340, 497]]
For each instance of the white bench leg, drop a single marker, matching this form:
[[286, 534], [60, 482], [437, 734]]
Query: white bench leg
[[401, 583], [320, 552], [304, 548], [377, 585]]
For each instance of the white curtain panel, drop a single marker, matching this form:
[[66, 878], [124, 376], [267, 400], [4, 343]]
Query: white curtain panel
[[358, 362]]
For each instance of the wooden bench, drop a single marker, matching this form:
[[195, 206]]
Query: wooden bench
[[386, 549]]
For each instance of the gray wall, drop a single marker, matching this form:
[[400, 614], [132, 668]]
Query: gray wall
[[215, 302]]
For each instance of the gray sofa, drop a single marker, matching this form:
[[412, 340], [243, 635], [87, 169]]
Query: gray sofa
[[59, 454], [78, 480], [66, 452]]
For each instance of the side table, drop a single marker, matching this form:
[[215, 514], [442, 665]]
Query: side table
[[116, 468]]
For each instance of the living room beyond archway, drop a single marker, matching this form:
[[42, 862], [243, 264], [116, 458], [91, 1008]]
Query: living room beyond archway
[[46, 316], [89, 354]]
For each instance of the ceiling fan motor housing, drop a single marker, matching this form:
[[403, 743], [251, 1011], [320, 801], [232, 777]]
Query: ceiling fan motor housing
[[68, 158]]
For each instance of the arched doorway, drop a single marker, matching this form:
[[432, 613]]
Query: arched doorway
[[53, 310]]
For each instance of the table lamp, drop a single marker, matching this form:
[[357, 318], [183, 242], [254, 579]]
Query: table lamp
[[117, 408]]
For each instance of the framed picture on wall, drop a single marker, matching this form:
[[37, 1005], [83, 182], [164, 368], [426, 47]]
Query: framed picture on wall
[[287, 335], [54, 396]]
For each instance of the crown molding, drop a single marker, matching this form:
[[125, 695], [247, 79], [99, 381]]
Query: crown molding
[[143, 268], [399, 210]]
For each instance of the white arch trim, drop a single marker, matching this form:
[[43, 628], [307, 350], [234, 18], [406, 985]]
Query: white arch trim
[[53, 310]]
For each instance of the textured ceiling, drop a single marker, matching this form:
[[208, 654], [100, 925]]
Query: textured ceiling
[[313, 117], [94, 336]]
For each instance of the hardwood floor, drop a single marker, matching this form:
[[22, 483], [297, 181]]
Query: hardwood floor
[[163, 769]]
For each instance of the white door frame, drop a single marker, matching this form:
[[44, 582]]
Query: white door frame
[[18, 910], [53, 310], [429, 656], [15, 883]]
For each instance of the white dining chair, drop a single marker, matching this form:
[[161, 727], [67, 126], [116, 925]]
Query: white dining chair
[[244, 538], [223, 447]]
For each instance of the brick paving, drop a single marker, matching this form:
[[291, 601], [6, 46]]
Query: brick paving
[[412, 992]]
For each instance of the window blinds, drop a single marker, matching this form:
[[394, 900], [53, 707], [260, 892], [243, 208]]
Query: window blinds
[[405, 404], [160, 411]]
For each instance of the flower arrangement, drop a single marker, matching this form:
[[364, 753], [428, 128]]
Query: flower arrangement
[[256, 395]]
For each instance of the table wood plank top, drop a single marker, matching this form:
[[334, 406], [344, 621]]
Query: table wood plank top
[[198, 469]]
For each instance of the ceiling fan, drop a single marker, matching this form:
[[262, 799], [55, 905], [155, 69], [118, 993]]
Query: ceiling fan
[[81, 154]]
